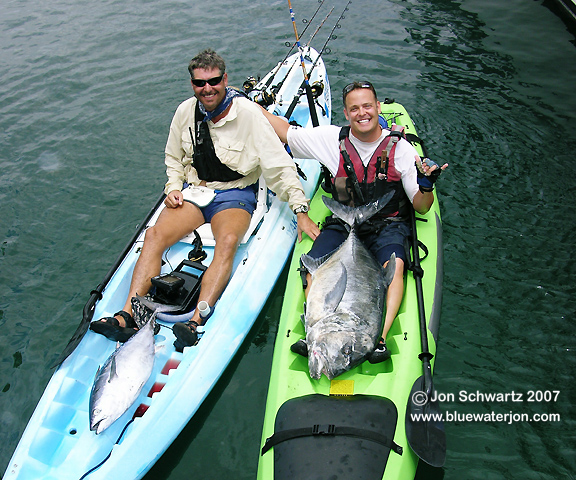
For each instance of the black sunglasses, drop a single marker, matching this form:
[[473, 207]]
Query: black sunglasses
[[355, 85], [211, 81]]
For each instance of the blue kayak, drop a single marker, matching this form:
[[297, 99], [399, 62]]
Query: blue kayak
[[58, 443]]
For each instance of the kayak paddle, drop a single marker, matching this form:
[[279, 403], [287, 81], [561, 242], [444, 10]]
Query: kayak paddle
[[424, 425]]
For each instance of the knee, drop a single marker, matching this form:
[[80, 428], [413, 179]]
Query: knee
[[228, 243], [155, 238]]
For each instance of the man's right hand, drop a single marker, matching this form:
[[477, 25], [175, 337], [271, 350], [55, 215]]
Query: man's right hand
[[174, 199]]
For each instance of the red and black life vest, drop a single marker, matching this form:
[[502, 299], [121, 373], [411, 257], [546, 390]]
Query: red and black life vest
[[356, 184]]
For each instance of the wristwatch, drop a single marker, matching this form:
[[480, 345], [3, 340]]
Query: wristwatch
[[301, 209]]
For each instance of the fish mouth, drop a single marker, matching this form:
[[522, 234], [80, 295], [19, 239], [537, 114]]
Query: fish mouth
[[96, 427], [316, 362]]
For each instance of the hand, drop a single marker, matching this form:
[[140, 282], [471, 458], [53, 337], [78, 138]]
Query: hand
[[428, 172], [306, 225], [174, 199]]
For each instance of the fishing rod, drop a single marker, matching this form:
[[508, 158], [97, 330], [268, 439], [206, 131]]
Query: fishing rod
[[319, 26], [277, 87], [331, 36], [269, 81], [309, 96], [303, 85]]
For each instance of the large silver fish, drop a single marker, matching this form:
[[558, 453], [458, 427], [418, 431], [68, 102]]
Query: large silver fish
[[119, 381], [345, 304]]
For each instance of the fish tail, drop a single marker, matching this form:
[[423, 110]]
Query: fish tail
[[155, 306], [357, 215]]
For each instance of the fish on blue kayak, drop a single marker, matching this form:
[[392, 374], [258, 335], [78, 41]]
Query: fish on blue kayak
[[119, 381]]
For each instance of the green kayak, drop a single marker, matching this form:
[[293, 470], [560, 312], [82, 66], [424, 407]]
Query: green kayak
[[356, 425]]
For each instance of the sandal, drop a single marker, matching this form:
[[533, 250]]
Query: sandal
[[381, 353], [111, 329], [186, 335], [300, 348]]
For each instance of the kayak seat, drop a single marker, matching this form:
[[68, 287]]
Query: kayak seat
[[317, 436], [205, 231]]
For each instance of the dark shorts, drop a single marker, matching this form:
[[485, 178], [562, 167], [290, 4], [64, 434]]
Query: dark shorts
[[389, 240], [243, 198]]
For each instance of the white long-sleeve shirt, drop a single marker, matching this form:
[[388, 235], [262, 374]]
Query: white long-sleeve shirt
[[322, 143], [244, 141]]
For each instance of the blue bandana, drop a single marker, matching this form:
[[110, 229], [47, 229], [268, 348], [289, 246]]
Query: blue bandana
[[231, 93]]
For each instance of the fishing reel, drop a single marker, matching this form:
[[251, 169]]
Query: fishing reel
[[249, 84], [263, 98], [317, 88]]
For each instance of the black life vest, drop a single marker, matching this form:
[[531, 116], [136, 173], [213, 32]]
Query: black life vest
[[355, 184], [205, 160]]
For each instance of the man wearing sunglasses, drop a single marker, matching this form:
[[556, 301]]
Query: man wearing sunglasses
[[380, 162], [219, 145]]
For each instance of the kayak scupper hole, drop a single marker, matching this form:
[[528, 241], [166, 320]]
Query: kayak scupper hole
[[73, 431]]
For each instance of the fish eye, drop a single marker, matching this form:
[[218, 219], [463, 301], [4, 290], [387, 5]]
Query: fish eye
[[347, 349]]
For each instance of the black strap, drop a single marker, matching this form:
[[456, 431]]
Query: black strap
[[303, 274], [205, 161], [349, 167], [330, 430]]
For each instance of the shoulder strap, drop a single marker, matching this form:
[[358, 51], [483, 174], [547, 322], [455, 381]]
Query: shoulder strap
[[349, 167]]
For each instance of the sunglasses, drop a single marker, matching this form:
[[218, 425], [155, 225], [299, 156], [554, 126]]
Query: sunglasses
[[355, 85], [211, 81]]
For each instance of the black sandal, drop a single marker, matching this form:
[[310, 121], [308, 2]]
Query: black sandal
[[186, 335], [381, 353], [300, 348], [111, 329]]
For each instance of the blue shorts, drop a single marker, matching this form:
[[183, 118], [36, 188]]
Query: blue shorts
[[389, 240], [243, 198]]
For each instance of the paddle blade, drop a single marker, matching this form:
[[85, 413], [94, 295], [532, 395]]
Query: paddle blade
[[424, 426]]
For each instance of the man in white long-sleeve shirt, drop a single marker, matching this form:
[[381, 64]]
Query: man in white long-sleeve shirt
[[220, 140]]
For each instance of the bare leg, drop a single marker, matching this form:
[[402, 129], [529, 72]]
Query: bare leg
[[228, 227], [394, 296], [172, 225]]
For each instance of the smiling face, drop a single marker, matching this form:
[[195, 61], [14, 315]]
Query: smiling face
[[210, 96], [361, 109]]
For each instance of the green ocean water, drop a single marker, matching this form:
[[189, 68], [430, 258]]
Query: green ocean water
[[87, 92]]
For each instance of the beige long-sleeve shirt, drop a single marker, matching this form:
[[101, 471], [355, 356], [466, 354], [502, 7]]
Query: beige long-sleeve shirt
[[244, 141]]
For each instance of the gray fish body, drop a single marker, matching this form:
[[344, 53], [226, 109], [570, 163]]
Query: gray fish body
[[119, 381], [345, 304]]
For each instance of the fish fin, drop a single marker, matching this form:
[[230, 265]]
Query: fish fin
[[97, 372], [310, 263], [112, 370], [390, 269], [357, 215], [334, 296]]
